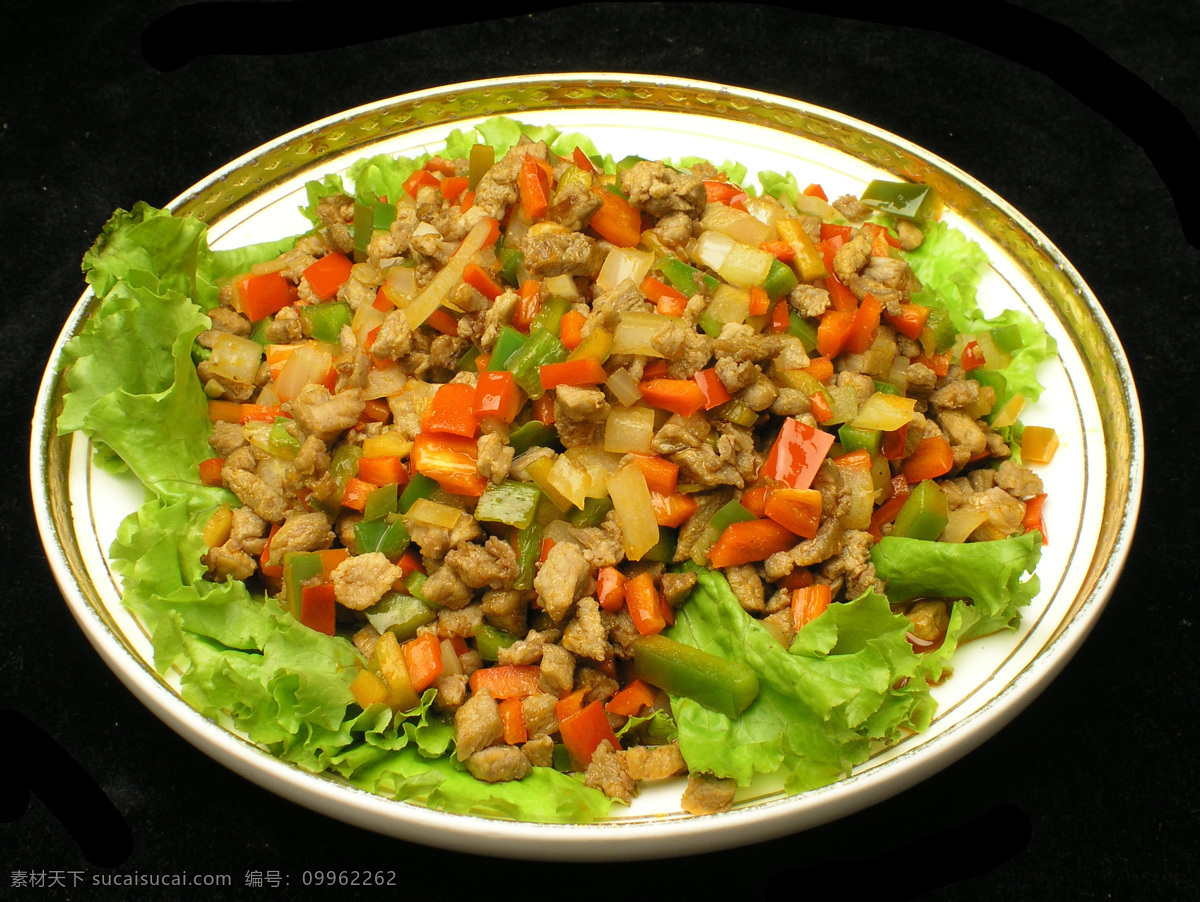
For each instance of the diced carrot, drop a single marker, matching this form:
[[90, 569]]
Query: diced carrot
[[584, 371], [668, 300], [681, 396], [582, 160], [357, 490], [616, 220], [799, 510], [441, 321], [780, 250], [816, 191], [714, 390], [570, 704], [866, 325], [833, 330], [481, 280], [528, 305], [387, 470], [760, 303], [420, 179], [318, 608], [661, 475], [630, 700], [543, 409], [819, 404], [909, 321], [265, 413], [570, 329], [820, 368], [225, 411], [440, 165], [1034, 517], [841, 298], [453, 187], [452, 410], [260, 295], [533, 186], [270, 570], [672, 510], [754, 499]]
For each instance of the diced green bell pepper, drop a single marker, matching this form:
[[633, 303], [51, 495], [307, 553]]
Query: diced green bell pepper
[[529, 550], [542, 348], [727, 687], [549, 315], [508, 342], [685, 278], [942, 329], [663, 550], [400, 614], [511, 260], [490, 639], [924, 515], [386, 535], [530, 435], [420, 486], [781, 279], [281, 442], [512, 503], [380, 502], [593, 513], [299, 567], [1007, 338], [855, 439], [903, 199], [803, 330]]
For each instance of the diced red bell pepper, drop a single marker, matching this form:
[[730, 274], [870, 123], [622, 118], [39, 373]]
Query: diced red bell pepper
[[681, 396], [498, 396], [419, 179], [582, 734], [449, 460], [796, 454], [533, 185], [318, 608], [452, 410], [210, 471], [512, 721], [630, 700], [610, 589], [386, 470], [423, 658], [259, 296], [584, 371], [714, 390], [507, 680], [661, 475], [809, 603], [799, 510], [932, 458], [672, 510], [616, 220], [327, 274], [748, 541]]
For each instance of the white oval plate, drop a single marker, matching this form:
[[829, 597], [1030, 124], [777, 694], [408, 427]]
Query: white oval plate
[[1094, 482]]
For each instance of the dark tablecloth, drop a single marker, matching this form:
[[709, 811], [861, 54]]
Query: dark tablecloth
[[1081, 115]]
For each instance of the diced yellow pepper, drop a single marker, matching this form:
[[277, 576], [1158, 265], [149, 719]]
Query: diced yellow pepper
[[1038, 444]]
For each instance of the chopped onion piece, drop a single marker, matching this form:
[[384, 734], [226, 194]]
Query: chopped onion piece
[[570, 480], [635, 510], [737, 224], [629, 429], [884, 411], [385, 382], [308, 363], [745, 265], [960, 523], [235, 358], [438, 289], [433, 513], [636, 330], [624, 387], [623, 263], [560, 287], [597, 462], [711, 249]]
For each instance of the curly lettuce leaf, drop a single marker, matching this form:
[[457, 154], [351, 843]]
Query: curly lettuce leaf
[[991, 576], [821, 704]]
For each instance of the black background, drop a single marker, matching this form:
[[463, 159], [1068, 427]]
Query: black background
[[1081, 113]]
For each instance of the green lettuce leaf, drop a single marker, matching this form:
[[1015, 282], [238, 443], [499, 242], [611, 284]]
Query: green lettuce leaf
[[992, 575], [821, 704]]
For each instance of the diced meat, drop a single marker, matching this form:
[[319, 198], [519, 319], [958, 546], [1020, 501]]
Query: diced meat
[[660, 190], [807, 553], [464, 621], [435, 541], [362, 579], [451, 691], [492, 564], [540, 711], [1004, 513], [553, 250], [851, 207], [607, 772], [1018, 480], [326, 415], [562, 579], [247, 530], [539, 751], [228, 561], [707, 794], [607, 307], [966, 436], [579, 415], [677, 586], [226, 438], [747, 586], [557, 670], [586, 634], [506, 609], [300, 532], [446, 587], [255, 493], [498, 764], [808, 300], [493, 457], [601, 544], [572, 206], [852, 564], [657, 762], [529, 650], [477, 724]]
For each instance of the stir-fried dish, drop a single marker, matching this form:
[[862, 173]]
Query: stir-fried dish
[[526, 475]]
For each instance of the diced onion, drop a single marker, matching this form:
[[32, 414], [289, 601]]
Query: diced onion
[[306, 364], [560, 287], [884, 411], [729, 304], [597, 462], [1008, 414], [570, 480], [629, 429], [235, 358], [960, 523], [366, 319], [624, 387], [434, 513], [636, 330], [385, 382], [434, 293], [745, 265], [737, 224], [860, 488], [635, 510], [623, 263], [711, 249]]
